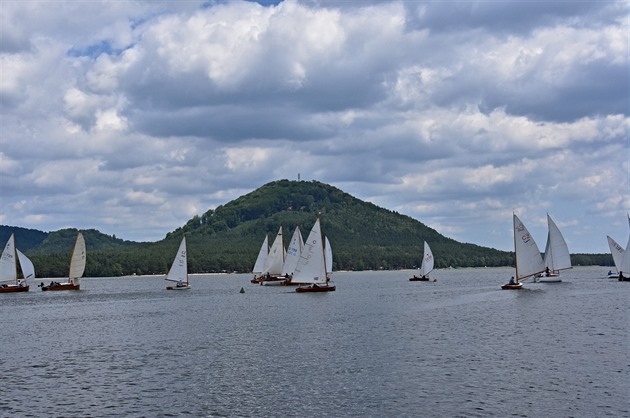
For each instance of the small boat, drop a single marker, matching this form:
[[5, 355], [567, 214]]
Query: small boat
[[311, 267], [617, 252], [528, 260], [259, 265], [557, 256], [8, 269], [272, 271], [315, 288], [293, 255], [624, 267], [426, 267], [77, 267], [179, 270]]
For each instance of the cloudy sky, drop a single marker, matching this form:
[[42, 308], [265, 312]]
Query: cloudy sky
[[131, 117]]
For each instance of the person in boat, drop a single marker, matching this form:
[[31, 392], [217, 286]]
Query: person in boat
[[621, 276], [547, 273], [512, 280], [180, 284], [610, 272], [315, 285]]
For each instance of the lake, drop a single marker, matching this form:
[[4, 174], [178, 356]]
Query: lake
[[378, 346]]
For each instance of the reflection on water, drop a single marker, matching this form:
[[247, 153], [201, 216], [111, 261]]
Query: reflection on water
[[378, 346]]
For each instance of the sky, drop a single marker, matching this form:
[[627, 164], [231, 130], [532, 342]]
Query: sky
[[131, 117]]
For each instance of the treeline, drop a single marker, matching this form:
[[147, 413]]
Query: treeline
[[227, 239]]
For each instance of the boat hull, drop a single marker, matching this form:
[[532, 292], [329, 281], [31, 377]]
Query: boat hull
[[418, 279], [12, 288], [177, 287], [61, 286], [550, 279], [315, 289], [279, 282], [514, 286]]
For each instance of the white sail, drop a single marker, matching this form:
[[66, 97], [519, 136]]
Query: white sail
[[311, 267], [28, 270], [624, 267], [528, 259], [557, 255], [8, 267], [328, 255], [616, 251], [179, 268], [293, 252], [427, 260], [77, 261], [275, 259], [259, 265]]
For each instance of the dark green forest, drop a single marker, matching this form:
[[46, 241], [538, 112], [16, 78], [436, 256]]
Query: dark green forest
[[227, 239]]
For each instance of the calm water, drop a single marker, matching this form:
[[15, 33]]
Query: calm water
[[378, 346]]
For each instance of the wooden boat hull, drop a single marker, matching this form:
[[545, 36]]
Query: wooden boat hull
[[514, 286], [418, 279], [177, 287], [12, 288], [61, 286], [315, 289]]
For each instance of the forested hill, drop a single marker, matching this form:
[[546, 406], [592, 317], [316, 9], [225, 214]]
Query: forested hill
[[363, 236]]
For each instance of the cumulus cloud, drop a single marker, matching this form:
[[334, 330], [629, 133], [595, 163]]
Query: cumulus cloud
[[457, 114]]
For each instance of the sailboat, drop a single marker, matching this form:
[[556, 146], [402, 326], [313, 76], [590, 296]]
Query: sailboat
[[293, 255], [624, 267], [426, 267], [272, 273], [557, 255], [179, 270], [311, 267], [8, 269], [617, 252], [528, 260], [259, 265], [329, 257], [77, 267]]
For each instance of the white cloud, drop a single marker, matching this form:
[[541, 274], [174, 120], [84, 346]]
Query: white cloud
[[148, 113]]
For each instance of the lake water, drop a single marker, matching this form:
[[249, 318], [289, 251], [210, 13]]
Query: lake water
[[380, 346]]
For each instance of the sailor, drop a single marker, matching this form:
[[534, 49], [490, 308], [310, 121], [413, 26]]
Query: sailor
[[511, 280]]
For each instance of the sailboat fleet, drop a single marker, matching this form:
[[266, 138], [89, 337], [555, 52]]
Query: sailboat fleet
[[308, 264]]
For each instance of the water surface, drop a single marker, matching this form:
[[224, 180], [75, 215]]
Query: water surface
[[378, 346]]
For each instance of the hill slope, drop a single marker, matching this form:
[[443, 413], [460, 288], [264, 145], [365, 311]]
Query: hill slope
[[363, 236]]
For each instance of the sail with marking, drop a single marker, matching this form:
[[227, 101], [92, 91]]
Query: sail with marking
[[275, 258], [616, 251], [528, 259], [557, 256], [427, 260], [293, 252], [77, 261], [179, 268], [8, 267], [311, 267], [28, 270]]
